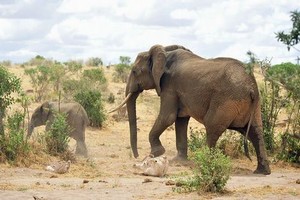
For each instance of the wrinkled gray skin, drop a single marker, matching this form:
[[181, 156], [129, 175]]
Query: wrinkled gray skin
[[76, 118], [216, 92]]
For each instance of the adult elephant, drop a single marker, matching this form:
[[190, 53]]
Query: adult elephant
[[77, 119], [218, 93]]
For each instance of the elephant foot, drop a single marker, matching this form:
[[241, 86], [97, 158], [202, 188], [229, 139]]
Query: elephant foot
[[180, 157], [263, 169], [82, 151], [181, 160], [158, 151], [84, 154]]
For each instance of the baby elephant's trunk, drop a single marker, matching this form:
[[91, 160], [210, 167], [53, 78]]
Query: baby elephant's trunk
[[30, 129]]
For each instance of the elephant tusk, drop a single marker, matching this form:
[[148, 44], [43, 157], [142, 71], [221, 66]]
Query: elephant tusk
[[122, 104]]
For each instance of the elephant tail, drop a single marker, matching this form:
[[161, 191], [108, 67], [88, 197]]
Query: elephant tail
[[246, 149], [254, 100]]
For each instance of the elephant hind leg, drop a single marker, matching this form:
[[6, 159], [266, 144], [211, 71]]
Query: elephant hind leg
[[213, 133], [256, 138], [216, 122]]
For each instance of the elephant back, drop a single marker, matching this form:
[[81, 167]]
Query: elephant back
[[72, 109]]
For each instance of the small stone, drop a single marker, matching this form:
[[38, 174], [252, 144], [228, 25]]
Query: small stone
[[298, 181], [86, 181], [170, 182], [147, 180]]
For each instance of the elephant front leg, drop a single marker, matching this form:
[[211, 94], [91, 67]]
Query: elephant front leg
[[181, 125], [158, 128], [81, 148], [167, 116]]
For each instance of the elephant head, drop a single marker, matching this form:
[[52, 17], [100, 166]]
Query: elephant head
[[146, 74], [39, 117]]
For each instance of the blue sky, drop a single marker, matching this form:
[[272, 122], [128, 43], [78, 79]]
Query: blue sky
[[76, 29]]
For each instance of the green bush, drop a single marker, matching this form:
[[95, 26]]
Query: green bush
[[94, 75], [290, 149], [211, 171], [92, 102], [57, 73], [212, 168], [74, 66], [9, 84], [40, 79], [6, 63], [231, 143], [196, 140], [94, 61], [122, 69], [13, 144], [111, 98], [57, 138]]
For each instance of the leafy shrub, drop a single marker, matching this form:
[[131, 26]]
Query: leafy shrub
[[13, 144], [92, 102], [6, 63], [57, 138], [211, 172], [39, 78], [37, 60], [231, 144], [290, 148], [196, 140], [94, 61], [94, 75], [122, 69], [57, 73], [74, 66], [9, 85], [288, 75], [111, 98], [212, 167], [70, 87]]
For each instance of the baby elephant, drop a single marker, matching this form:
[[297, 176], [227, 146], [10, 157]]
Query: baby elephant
[[153, 166], [76, 118]]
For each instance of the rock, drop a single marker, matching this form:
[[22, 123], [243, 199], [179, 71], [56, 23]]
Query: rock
[[170, 182], [59, 167], [147, 180], [85, 181]]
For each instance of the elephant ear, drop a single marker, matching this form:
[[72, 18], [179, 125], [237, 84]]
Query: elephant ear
[[158, 55], [45, 108]]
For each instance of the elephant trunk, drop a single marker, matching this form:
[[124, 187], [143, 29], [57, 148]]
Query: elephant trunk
[[30, 129], [131, 110]]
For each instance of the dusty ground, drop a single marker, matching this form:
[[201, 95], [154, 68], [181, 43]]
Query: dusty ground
[[108, 172]]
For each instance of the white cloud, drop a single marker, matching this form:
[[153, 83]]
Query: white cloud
[[64, 29]]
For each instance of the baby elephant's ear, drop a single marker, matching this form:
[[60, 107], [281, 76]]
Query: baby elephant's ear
[[45, 108]]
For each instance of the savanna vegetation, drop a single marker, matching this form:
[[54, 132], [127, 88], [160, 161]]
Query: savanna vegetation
[[87, 85]]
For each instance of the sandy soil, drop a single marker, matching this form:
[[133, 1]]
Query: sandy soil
[[108, 172]]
